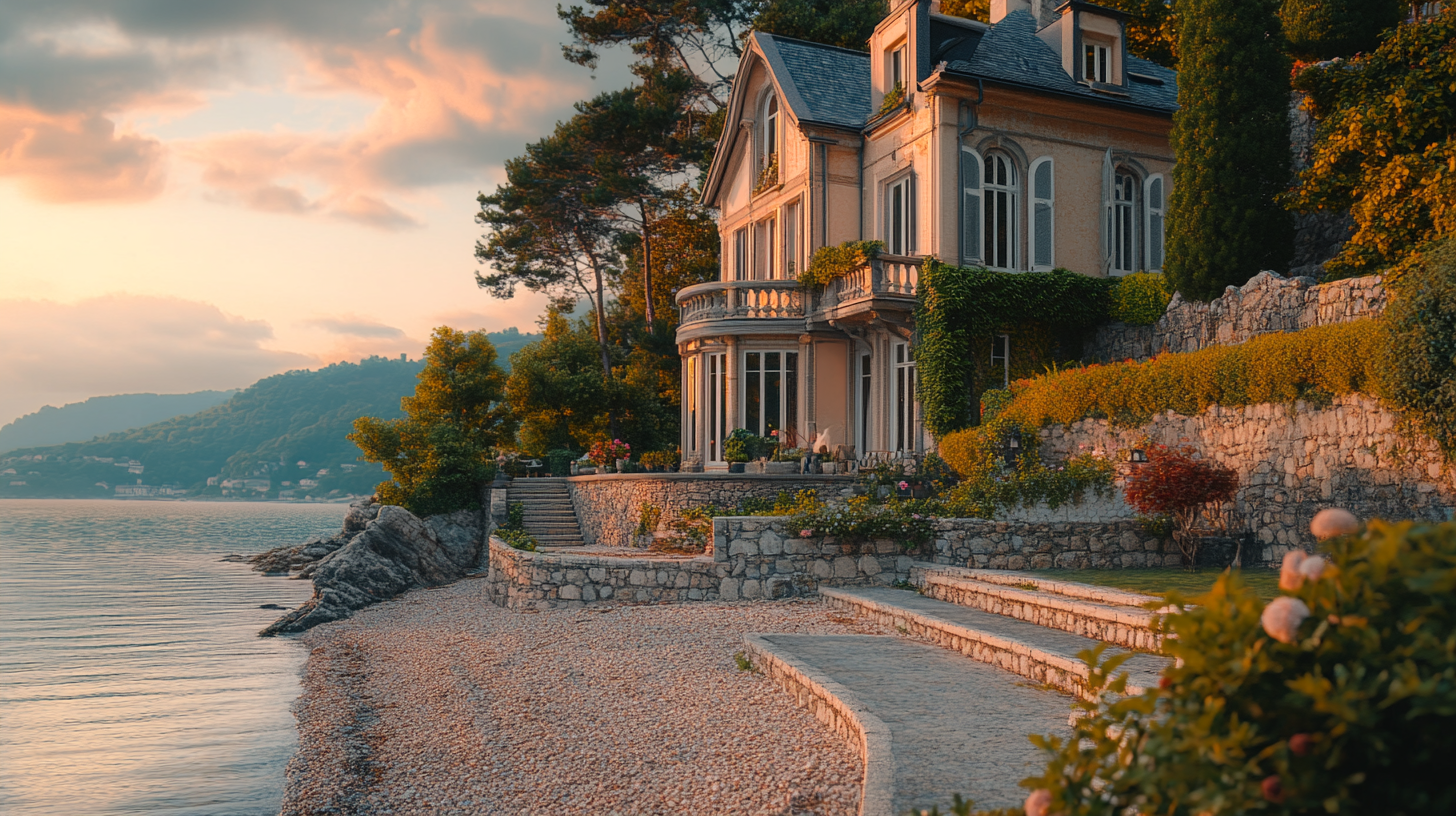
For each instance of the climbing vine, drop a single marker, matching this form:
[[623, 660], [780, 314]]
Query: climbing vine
[[960, 309], [832, 262]]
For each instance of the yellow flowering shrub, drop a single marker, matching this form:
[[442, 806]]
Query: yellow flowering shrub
[[1140, 299]]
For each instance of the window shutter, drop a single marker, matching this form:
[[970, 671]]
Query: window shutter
[[1042, 214], [1154, 231], [910, 222], [970, 206], [1107, 220]]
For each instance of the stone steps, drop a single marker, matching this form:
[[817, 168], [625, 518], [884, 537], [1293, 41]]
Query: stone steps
[[1108, 615], [1038, 653], [927, 722], [550, 515]]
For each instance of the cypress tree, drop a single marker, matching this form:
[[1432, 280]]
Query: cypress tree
[[1231, 139]]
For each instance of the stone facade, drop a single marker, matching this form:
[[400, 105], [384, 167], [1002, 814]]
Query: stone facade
[[1017, 545], [608, 507], [1267, 303], [1293, 462]]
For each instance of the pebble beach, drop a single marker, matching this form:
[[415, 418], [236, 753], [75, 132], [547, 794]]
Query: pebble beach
[[439, 702]]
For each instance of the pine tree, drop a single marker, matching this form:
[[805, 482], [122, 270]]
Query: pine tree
[[1231, 139]]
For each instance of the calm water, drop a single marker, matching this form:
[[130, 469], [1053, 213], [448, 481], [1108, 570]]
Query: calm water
[[131, 676]]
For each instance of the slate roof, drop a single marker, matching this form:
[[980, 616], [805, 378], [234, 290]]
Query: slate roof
[[1011, 52], [821, 83]]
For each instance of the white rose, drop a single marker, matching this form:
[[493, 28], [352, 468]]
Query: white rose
[[1282, 617], [1312, 568]]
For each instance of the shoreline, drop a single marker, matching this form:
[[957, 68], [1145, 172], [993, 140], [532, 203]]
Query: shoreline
[[440, 702]]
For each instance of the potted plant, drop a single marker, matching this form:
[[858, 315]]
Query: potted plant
[[608, 454], [738, 450]]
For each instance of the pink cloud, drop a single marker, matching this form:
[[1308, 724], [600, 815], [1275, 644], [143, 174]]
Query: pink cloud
[[78, 157]]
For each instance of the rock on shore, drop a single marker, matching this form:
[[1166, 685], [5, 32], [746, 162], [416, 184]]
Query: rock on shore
[[382, 551]]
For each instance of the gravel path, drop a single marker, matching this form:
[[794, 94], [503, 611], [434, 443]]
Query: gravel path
[[439, 702]]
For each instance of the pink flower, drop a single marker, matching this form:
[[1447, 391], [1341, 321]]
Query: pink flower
[[1039, 803], [1290, 575], [904, 485], [805, 533], [915, 516], [773, 433], [1282, 617], [1333, 522]]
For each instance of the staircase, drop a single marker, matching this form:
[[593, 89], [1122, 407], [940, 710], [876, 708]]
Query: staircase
[[550, 516]]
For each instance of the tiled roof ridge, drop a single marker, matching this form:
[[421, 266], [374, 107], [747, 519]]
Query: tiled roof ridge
[[812, 44]]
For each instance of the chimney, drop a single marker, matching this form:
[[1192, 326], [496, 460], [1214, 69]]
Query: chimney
[[1001, 8]]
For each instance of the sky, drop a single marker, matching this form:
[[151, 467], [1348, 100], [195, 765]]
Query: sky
[[195, 194]]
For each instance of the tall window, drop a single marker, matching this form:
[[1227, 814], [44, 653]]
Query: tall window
[[791, 241], [904, 435], [1096, 60], [717, 399], [769, 139], [970, 206], [1124, 222], [1000, 224], [770, 391], [896, 59], [1042, 214], [691, 392], [900, 217], [765, 241], [864, 404], [740, 254], [1001, 357], [1154, 231]]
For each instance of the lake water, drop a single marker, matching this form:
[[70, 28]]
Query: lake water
[[132, 679]]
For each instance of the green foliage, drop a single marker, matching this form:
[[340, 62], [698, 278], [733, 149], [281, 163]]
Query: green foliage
[[518, 539], [768, 176], [1324, 29], [1356, 714], [743, 445], [1231, 138], [993, 402], [960, 309], [559, 460], [684, 252], [1152, 29], [990, 493], [861, 520], [515, 516], [1421, 368], [667, 458], [893, 99], [845, 23], [1386, 147], [1140, 299], [648, 515], [440, 454], [830, 262]]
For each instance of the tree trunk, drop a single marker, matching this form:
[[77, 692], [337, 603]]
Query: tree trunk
[[648, 309], [604, 346]]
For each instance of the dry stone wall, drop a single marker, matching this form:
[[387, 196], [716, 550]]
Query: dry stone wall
[[609, 507], [1016, 545], [1293, 461], [1267, 303]]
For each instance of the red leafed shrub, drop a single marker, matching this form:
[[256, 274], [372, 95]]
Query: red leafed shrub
[[1175, 484]]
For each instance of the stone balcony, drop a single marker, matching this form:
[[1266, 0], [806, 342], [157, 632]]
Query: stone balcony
[[782, 307]]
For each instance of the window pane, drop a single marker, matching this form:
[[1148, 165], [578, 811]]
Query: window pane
[[864, 402], [753, 397], [897, 219], [791, 392], [772, 400], [1043, 235]]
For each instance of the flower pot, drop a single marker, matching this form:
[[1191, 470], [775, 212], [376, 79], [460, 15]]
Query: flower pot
[[586, 470], [736, 467], [621, 465], [829, 468], [781, 468]]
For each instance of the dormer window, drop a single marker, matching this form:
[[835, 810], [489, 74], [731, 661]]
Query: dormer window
[[1096, 64], [896, 61], [770, 139]]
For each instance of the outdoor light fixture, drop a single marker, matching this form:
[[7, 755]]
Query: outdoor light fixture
[[1137, 456], [1013, 447]]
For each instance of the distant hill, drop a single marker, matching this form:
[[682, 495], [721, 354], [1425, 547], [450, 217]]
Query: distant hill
[[80, 421], [261, 433], [509, 342]]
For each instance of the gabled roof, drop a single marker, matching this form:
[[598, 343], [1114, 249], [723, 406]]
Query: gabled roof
[[822, 84], [1011, 52]]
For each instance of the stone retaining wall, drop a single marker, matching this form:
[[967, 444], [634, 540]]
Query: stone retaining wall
[[1016, 545], [1293, 461], [608, 507], [1267, 303]]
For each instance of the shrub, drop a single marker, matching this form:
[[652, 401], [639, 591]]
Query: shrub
[[1421, 374], [1322, 29], [660, 458], [517, 539], [861, 520], [892, 99], [743, 446], [1357, 714], [515, 516], [1140, 299], [1188, 490], [559, 461], [1316, 363], [606, 452], [832, 262], [647, 517]]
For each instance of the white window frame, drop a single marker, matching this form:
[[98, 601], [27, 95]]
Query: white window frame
[[1124, 228], [1098, 57], [788, 414], [895, 67], [1000, 199], [1155, 217], [740, 254], [1042, 202], [769, 132], [971, 206], [904, 416], [900, 237], [791, 240], [691, 393], [715, 397], [1001, 353], [865, 396]]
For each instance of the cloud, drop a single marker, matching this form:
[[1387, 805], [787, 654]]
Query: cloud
[[458, 87], [355, 327], [117, 344]]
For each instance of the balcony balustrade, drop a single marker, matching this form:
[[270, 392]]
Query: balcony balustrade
[[720, 300]]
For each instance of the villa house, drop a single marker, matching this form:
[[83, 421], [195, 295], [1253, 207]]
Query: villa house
[[1030, 143]]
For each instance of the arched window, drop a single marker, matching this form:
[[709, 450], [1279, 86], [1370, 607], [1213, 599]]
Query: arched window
[[1154, 231], [1042, 214], [1125, 211], [769, 135], [970, 206], [1000, 193]]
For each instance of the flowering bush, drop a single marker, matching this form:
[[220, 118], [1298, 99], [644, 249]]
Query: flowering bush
[[861, 520], [1140, 299], [1342, 699], [1188, 490], [606, 452]]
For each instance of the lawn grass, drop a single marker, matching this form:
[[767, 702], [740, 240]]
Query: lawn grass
[[1264, 582]]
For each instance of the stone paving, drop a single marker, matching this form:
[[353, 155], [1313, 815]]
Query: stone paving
[[957, 726], [1142, 669]]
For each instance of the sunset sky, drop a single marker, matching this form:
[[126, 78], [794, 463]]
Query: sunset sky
[[198, 193]]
